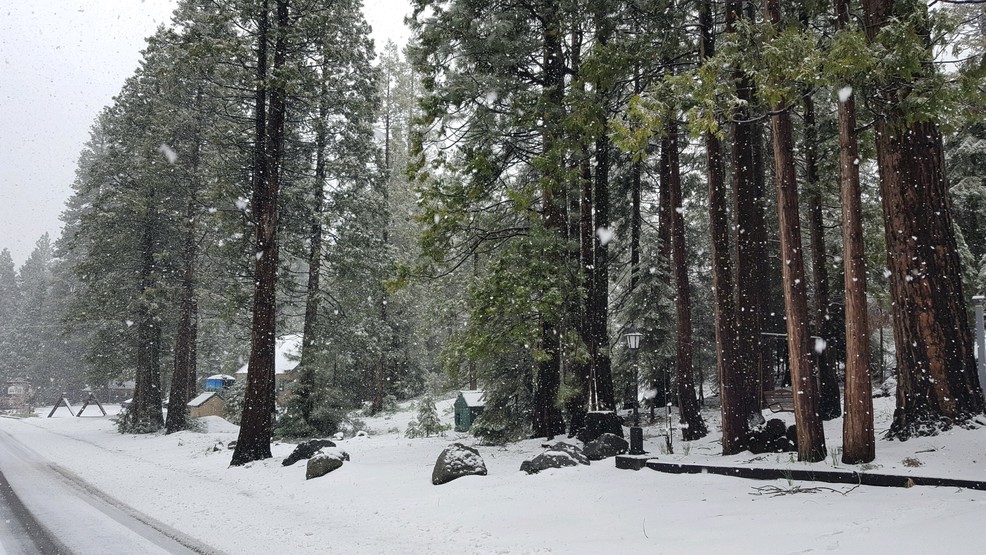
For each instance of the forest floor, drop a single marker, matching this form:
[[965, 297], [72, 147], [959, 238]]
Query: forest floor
[[382, 501]]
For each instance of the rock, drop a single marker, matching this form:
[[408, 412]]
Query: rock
[[598, 423], [324, 462], [558, 455], [775, 428], [756, 443], [605, 446], [306, 449], [456, 461], [231, 445], [792, 433]]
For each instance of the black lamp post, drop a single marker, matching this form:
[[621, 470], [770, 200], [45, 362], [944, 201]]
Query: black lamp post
[[633, 338]]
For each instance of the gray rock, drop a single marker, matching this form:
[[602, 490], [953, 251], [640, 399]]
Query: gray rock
[[605, 446], [558, 455], [306, 449], [598, 423], [456, 461], [323, 462]]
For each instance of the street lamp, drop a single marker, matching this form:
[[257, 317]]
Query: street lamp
[[633, 338], [979, 301]]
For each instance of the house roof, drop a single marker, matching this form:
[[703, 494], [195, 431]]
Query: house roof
[[203, 398], [473, 397], [221, 377], [287, 352]]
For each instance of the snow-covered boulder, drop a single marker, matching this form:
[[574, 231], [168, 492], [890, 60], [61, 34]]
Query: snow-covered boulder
[[306, 449], [605, 446], [456, 461], [559, 455], [325, 461]]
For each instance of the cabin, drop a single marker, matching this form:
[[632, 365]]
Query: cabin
[[287, 355], [209, 403], [468, 406], [16, 394]]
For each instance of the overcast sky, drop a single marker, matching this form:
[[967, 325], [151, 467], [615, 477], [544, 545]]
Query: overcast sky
[[61, 61]]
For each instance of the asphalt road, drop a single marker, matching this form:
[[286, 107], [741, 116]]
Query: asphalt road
[[46, 509]]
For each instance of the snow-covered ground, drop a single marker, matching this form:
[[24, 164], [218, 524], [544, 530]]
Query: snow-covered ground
[[382, 501]]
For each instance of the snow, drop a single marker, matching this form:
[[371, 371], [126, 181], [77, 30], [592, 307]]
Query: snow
[[473, 398], [200, 399], [287, 354], [382, 501], [845, 93], [605, 235]]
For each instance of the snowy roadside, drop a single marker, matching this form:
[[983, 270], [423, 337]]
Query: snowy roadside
[[383, 500]]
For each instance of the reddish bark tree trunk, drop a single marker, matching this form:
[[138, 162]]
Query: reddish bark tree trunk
[[858, 441], [829, 405], [693, 426], [937, 384], [748, 224], [735, 424], [811, 437]]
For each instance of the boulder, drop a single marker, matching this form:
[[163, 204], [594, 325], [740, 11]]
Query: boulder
[[605, 446], [775, 428], [456, 461], [598, 423], [306, 449], [323, 462], [792, 433], [558, 455]]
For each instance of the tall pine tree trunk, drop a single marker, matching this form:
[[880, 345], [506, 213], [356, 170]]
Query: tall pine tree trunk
[[735, 424], [748, 225], [257, 422], [145, 414], [811, 437], [599, 302], [184, 376], [547, 417], [693, 426], [937, 384], [858, 442], [829, 406]]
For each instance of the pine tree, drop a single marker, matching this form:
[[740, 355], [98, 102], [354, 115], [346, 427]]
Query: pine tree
[[937, 381]]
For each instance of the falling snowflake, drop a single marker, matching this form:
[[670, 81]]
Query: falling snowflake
[[820, 345], [605, 235], [169, 153]]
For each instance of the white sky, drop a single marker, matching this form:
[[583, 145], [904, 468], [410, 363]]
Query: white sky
[[61, 62]]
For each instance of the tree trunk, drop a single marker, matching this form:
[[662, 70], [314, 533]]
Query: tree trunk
[[184, 376], [811, 437], [858, 442], [748, 225], [547, 418], [829, 406], [937, 383], [257, 422], [693, 426], [313, 293], [144, 414], [735, 424]]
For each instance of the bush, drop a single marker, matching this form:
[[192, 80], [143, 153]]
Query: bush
[[234, 402], [427, 422]]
